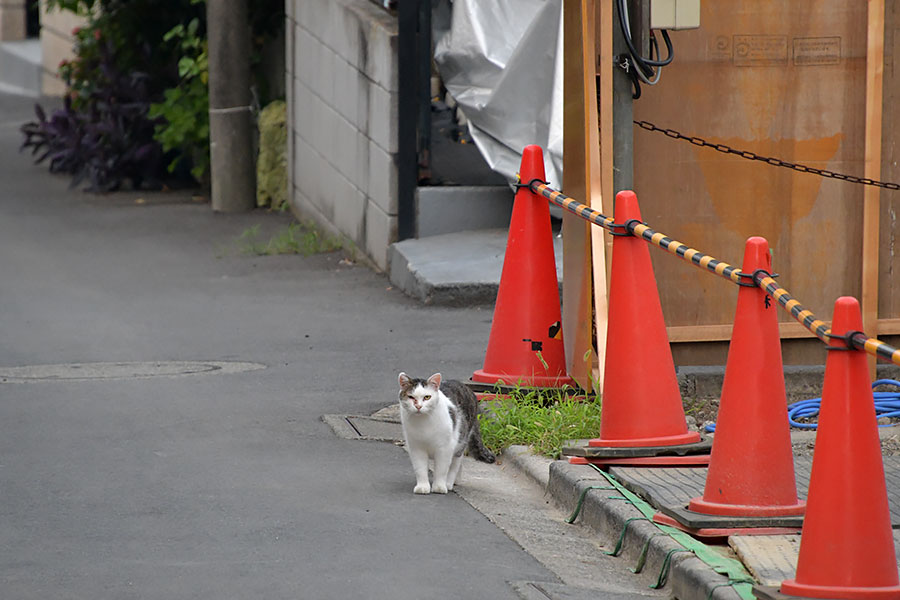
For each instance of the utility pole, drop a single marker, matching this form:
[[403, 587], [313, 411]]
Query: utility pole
[[623, 105], [232, 165]]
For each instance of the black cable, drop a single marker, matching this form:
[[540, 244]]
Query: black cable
[[636, 83], [641, 60], [642, 67], [670, 51], [623, 24]]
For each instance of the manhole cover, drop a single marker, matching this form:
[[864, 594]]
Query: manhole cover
[[121, 370]]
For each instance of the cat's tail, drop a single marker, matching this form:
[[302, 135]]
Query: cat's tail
[[478, 450]]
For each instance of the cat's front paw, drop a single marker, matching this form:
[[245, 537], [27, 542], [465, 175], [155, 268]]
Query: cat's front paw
[[423, 488], [439, 488]]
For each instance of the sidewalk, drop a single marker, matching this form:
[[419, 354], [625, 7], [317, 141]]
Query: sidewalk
[[603, 513]]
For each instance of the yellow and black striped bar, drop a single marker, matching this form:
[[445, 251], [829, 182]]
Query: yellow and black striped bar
[[803, 316], [819, 328], [761, 279], [876, 347], [582, 210], [695, 257]]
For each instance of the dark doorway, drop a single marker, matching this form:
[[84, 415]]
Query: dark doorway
[[33, 18]]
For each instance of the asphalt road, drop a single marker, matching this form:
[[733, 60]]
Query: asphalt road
[[212, 485]]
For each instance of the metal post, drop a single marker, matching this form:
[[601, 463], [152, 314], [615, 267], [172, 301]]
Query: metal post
[[623, 114], [407, 167], [423, 48]]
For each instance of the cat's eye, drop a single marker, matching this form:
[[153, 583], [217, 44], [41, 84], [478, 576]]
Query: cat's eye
[[427, 397]]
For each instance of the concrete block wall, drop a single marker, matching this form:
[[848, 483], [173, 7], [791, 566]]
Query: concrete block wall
[[12, 20], [341, 68]]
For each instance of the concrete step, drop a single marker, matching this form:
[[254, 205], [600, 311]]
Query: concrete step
[[459, 269], [20, 67], [448, 209]]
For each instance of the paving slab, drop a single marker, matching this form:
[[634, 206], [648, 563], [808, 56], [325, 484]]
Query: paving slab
[[773, 558], [673, 488]]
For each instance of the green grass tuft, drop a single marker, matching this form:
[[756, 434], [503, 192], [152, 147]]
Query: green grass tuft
[[297, 238], [543, 420]]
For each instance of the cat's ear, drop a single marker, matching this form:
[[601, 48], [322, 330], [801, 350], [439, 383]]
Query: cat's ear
[[403, 380], [435, 381]]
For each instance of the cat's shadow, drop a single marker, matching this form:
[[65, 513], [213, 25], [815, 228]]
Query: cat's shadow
[[403, 486]]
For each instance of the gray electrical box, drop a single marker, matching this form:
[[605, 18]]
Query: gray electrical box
[[674, 14]]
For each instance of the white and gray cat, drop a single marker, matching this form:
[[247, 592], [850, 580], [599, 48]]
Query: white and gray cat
[[439, 422]]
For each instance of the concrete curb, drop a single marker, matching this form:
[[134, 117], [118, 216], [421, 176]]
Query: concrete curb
[[689, 577], [536, 467]]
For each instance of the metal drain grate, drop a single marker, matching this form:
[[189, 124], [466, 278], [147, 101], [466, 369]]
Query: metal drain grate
[[353, 427]]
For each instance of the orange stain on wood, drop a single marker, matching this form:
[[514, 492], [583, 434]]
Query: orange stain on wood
[[754, 198]]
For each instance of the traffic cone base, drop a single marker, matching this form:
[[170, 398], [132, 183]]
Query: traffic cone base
[[701, 446], [541, 381], [746, 510], [765, 592], [792, 588], [691, 460], [663, 441], [690, 437], [710, 533]]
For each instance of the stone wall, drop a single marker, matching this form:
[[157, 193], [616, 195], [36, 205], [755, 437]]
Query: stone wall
[[341, 68]]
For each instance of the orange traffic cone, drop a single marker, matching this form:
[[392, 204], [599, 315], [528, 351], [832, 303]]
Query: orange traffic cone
[[525, 346], [641, 400], [847, 546], [751, 471]]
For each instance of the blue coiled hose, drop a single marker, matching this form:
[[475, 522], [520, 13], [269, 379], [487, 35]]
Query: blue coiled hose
[[887, 404]]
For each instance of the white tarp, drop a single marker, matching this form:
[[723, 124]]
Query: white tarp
[[502, 61]]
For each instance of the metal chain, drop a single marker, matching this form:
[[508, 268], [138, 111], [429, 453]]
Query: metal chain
[[775, 162]]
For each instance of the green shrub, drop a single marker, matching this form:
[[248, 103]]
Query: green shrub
[[271, 165], [183, 114], [161, 46], [133, 30]]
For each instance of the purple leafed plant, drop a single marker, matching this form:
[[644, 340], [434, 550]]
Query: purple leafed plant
[[108, 139]]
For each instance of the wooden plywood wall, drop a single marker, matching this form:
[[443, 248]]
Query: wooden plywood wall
[[782, 78], [889, 255]]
